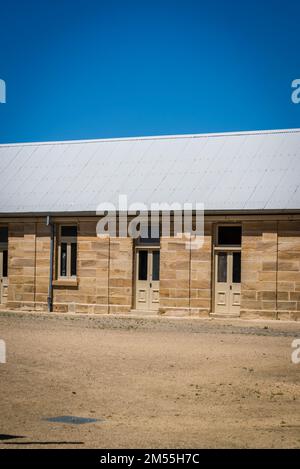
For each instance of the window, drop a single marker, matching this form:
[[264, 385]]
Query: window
[[155, 265], [229, 235], [222, 267], [149, 234], [3, 250], [236, 267], [3, 235], [4, 266], [143, 265], [69, 231], [67, 252]]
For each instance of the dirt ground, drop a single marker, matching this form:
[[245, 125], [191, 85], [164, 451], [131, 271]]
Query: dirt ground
[[151, 382]]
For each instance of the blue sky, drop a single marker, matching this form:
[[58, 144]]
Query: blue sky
[[92, 69]]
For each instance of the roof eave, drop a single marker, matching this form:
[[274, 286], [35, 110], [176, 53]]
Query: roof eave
[[206, 212]]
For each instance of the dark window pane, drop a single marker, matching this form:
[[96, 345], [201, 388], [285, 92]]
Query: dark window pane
[[222, 267], [63, 260], [69, 230], [149, 236], [4, 263], [236, 270], [73, 258], [143, 265], [230, 235], [3, 235], [155, 265]]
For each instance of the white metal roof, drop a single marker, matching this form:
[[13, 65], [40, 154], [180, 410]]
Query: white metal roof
[[226, 172]]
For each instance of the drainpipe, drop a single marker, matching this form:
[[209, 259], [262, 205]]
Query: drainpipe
[[276, 286], [50, 288], [190, 272], [108, 275]]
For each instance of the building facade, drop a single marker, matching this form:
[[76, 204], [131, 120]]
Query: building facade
[[248, 264]]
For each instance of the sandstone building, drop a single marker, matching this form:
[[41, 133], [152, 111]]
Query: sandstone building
[[248, 265]]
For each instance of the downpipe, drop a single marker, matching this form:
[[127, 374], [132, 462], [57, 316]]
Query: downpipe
[[50, 223]]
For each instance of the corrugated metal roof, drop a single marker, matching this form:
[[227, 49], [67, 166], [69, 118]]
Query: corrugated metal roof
[[232, 171]]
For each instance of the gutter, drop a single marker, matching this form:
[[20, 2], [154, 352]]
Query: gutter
[[91, 213]]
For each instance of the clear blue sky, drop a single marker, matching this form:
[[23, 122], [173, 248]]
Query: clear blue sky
[[92, 69]]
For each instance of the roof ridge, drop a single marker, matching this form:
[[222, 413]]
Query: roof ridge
[[155, 137]]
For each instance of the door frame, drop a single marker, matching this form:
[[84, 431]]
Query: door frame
[[152, 247], [221, 248]]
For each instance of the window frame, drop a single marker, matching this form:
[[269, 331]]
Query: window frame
[[69, 240]]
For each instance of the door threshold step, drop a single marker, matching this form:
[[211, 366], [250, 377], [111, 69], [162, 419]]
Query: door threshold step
[[227, 315], [144, 312]]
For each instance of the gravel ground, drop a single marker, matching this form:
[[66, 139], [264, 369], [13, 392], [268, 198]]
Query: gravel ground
[[150, 382]]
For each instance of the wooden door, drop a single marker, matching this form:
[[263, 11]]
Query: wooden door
[[147, 279], [227, 282]]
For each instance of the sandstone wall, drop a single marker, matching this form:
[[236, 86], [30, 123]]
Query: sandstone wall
[[270, 271], [185, 276]]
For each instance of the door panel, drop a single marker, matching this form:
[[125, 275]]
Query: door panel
[[235, 292], [147, 279], [154, 280], [222, 298], [142, 280], [227, 282], [221, 284]]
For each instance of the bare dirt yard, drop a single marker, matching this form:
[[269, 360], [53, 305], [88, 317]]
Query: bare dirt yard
[[149, 382]]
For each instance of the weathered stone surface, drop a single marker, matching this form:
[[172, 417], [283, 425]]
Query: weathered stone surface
[[259, 264], [270, 284]]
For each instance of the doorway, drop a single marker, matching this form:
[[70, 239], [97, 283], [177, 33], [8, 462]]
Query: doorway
[[228, 282], [227, 270], [3, 264], [147, 279]]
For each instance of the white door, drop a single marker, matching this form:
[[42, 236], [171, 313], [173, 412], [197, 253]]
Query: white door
[[3, 276], [227, 282], [147, 279]]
